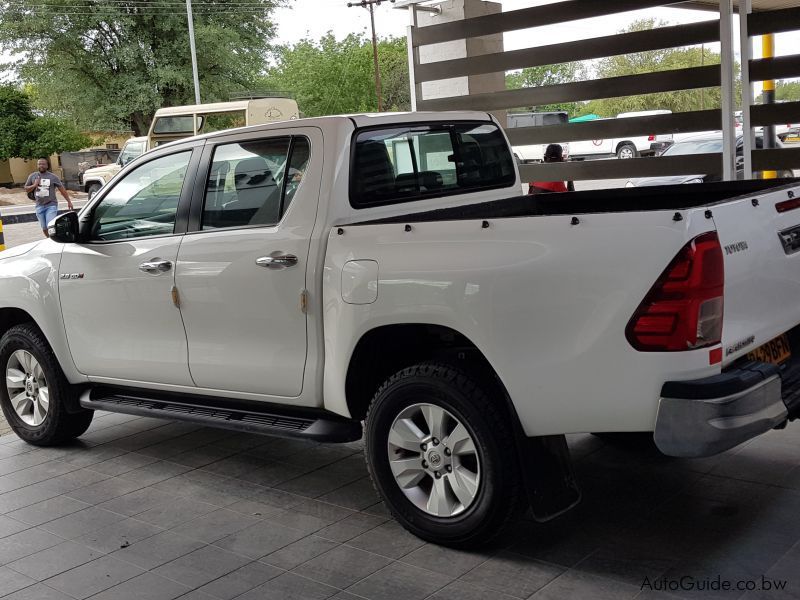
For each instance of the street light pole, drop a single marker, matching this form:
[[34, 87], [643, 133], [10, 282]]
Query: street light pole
[[193, 51], [369, 4]]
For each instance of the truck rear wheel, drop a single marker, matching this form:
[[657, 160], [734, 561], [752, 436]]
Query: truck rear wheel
[[35, 395], [627, 150], [442, 456]]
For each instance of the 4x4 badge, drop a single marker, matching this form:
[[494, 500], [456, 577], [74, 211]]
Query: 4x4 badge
[[71, 276]]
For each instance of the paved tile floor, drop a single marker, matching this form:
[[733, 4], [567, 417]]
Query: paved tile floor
[[148, 509]]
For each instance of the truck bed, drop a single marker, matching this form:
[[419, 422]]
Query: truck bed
[[667, 197]]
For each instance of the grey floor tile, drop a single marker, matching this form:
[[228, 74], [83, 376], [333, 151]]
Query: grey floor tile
[[10, 526], [85, 456], [215, 525], [147, 586], [48, 510], [351, 527], [54, 560], [187, 485], [123, 463], [241, 580], [93, 577], [155, 472], [400, 581], [38, 592], [24, 543], [342, 566], [200, 457], [82, 522], [172, 514], [158, 549], [513, 574], [260, 539], [201, 566], [20, 498], [22, 461], [290, 587], [137, 501], [253, 508], [357, 495], [74, 480], [628, 561], [117, 535], [105, 490], [389, 539], [458, 590], [197, 595], [11, 581], [446, 561], [577, 584], [299, 552]]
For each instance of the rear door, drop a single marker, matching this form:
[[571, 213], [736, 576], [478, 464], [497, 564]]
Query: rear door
[[760, 238], [242, 267]]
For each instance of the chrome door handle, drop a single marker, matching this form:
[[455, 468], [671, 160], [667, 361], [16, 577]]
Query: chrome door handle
[[277, 262], [155, 266]]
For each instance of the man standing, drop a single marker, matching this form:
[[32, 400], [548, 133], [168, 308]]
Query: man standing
[[43, 184], [552, 154]]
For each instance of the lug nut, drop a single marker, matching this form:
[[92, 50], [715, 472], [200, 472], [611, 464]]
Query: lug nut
[[435, 442], [438, 475], [424, 447], [449, 469], [424, 465], [447, 452]]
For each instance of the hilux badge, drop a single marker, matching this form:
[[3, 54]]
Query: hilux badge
[[71, 276]]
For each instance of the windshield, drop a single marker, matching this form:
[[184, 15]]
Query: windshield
[[694, 147]]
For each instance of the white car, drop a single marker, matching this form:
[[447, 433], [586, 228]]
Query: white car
[[624, 147], [302, 278]]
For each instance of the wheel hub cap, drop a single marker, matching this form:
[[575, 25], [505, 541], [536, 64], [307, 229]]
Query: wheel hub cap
[[27, 388], [434, 460]]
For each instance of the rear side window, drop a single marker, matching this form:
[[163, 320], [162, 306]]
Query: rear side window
[[408, 163]]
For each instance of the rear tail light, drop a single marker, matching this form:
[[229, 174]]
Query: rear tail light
[[651, 138], [787, 205], [683, 310]]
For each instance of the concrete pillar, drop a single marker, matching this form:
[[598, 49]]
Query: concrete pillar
[[457, 10]]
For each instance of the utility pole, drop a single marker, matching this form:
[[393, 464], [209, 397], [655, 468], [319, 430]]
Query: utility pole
[[194, 52], [370, 4]]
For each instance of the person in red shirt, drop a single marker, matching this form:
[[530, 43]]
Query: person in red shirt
[[553, 153]]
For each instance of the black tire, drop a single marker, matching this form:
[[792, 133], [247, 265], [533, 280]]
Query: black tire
[[92, 189], [500, 496], [627, 150], [58, 425]]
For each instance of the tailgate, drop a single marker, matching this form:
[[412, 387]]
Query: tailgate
[[761, 250]]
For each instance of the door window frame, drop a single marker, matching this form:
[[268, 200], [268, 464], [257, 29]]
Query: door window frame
[[197, 206], [85, 216]]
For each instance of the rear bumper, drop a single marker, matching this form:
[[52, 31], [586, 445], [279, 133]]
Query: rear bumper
[[707, 416]]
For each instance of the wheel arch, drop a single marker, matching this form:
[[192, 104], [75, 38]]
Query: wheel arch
[[386, 349], [623, 143]]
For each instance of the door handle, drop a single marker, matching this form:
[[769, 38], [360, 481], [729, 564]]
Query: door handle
[[277, 262], [155, 266]]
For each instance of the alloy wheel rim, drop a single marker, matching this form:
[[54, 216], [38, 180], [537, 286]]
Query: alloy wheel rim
[[27, 388], [434, 460]]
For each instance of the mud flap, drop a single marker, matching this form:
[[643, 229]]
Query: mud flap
[[549, 476]]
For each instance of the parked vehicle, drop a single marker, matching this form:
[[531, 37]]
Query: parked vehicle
[[790, 135], [178, 122], [535, 152], [300, 278], [703, 144], [624, 148]]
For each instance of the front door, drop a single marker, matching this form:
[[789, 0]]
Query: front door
[[116, 286], [241, 273]]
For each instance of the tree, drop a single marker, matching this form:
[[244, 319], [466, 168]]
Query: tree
[[333, 76], [650, 62], [787, 91], [549, 75], [25, 135], [106, 64]]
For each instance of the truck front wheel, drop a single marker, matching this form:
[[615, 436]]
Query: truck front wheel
[[442, 456], [35, 395], [92, 190]]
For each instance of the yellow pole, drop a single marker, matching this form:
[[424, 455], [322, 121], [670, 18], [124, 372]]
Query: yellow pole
[[768, 97], [2, 238]]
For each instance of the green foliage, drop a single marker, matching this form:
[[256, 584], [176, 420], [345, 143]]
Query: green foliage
[[787, 91], [109, 64], [24, 135], [549, 75], [333, 76], [650, 62]]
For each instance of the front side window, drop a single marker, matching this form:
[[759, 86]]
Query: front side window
[[130, 151], [403, 164], [249, 183], [144, 202]]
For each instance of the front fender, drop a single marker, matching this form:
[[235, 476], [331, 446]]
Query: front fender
[[29, 282]]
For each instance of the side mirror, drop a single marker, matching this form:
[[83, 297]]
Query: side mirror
[[64, 228]]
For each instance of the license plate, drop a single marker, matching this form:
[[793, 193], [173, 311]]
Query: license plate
[[792, 139], [775, 351]]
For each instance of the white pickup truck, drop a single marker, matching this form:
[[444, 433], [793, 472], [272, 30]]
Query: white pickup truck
[[305, 278]]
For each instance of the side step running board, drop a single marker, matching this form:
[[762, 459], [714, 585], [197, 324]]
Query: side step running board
[[249, 417]]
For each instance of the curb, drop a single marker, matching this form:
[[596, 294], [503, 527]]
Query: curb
[[22, 218]]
